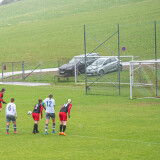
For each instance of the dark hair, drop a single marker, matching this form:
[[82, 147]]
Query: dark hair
[[51, 95], [3, 89], [12, 99], [39, 100]]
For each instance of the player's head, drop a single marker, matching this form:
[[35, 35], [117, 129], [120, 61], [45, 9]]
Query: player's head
[[3, 90], [69, 100], [50, 96], [12, 100], [39, 101]]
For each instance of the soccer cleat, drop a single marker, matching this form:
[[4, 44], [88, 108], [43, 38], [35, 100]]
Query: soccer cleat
[[7, 133], [60, 133], [15, 132], [53, 131], [46, 133], [63, 134], [37, 131]]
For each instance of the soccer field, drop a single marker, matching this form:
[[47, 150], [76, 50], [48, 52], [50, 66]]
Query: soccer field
[[100, 127]]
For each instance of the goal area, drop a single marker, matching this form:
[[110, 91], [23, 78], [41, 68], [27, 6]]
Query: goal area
[[144, 79]]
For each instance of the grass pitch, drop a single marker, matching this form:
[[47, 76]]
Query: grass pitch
[[100, 127]]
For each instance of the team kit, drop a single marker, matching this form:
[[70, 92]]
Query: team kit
[[48, 105]]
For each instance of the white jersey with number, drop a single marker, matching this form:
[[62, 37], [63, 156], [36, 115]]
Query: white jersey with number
[[50, 103], [11, 109]]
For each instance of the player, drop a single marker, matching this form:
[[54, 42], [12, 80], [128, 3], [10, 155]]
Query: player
[[50, 112], [1, 98], [11, 115], [63, 116], [35, 114]]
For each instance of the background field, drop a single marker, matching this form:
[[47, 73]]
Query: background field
[[101, 127], [46, 30]]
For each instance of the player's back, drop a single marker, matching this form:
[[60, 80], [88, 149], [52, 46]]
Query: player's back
[[10, 109], [65, 108], [50, 103]]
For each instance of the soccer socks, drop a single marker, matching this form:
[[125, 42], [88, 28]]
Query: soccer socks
[[46, 128], [61, 127], [54, 126], [64, 128], [34, 129], [7, 128], [15, 127]]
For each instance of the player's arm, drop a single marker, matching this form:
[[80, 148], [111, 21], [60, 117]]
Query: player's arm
[[15, 112], [69, 109], [43, 106], [6, 110], [41, 110]]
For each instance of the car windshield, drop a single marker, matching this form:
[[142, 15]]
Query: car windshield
[[98, 62], [72, 61]]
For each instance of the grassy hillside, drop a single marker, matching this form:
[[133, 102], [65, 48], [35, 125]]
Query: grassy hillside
[[46, 30]]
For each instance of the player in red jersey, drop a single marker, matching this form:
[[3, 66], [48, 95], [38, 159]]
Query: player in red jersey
[[63, 116], [35, 114], [1, 98]]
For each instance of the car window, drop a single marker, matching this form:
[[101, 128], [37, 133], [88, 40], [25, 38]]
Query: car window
[[98, 62], [113, 59], [107, 61]]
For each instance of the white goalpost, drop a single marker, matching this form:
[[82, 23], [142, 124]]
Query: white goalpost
[[144, 79]]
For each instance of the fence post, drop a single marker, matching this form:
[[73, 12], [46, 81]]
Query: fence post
[[85, 58], [23, 70], [156, 55], [2, 72], [119, 63]]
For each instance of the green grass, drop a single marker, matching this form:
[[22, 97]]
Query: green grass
[[46, 30], [100, 127]]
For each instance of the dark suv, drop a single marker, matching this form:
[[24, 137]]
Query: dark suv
[[79, 61]]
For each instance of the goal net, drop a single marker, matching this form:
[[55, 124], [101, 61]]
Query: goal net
[[144, 79]]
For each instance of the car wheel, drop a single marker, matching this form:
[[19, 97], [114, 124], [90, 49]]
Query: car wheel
[[101, 72]]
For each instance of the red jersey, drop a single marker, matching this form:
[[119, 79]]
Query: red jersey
[[1, 97], [66, 108], [38, 109]]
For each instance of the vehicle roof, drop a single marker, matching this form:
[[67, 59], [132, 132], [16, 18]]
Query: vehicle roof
[[88, 54]]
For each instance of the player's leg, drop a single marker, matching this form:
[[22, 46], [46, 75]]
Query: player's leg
[[61, 125], [47, 122], [53, 119], [15, 127], [36, 126], [8, 123], [64, 127], [0, 107], [7, 127], [36, 119], [14, 124]]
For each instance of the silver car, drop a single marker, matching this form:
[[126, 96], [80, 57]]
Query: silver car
[[103, 65]]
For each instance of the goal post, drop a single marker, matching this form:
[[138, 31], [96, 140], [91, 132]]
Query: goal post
[[145, 79]]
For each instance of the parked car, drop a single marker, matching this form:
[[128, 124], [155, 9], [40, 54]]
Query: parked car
[[103, 65], [79, 61]]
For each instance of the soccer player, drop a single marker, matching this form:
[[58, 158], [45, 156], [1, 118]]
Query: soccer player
[[35, 114], [11, 115], [63, 116], [50, 112], [1, 98]]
